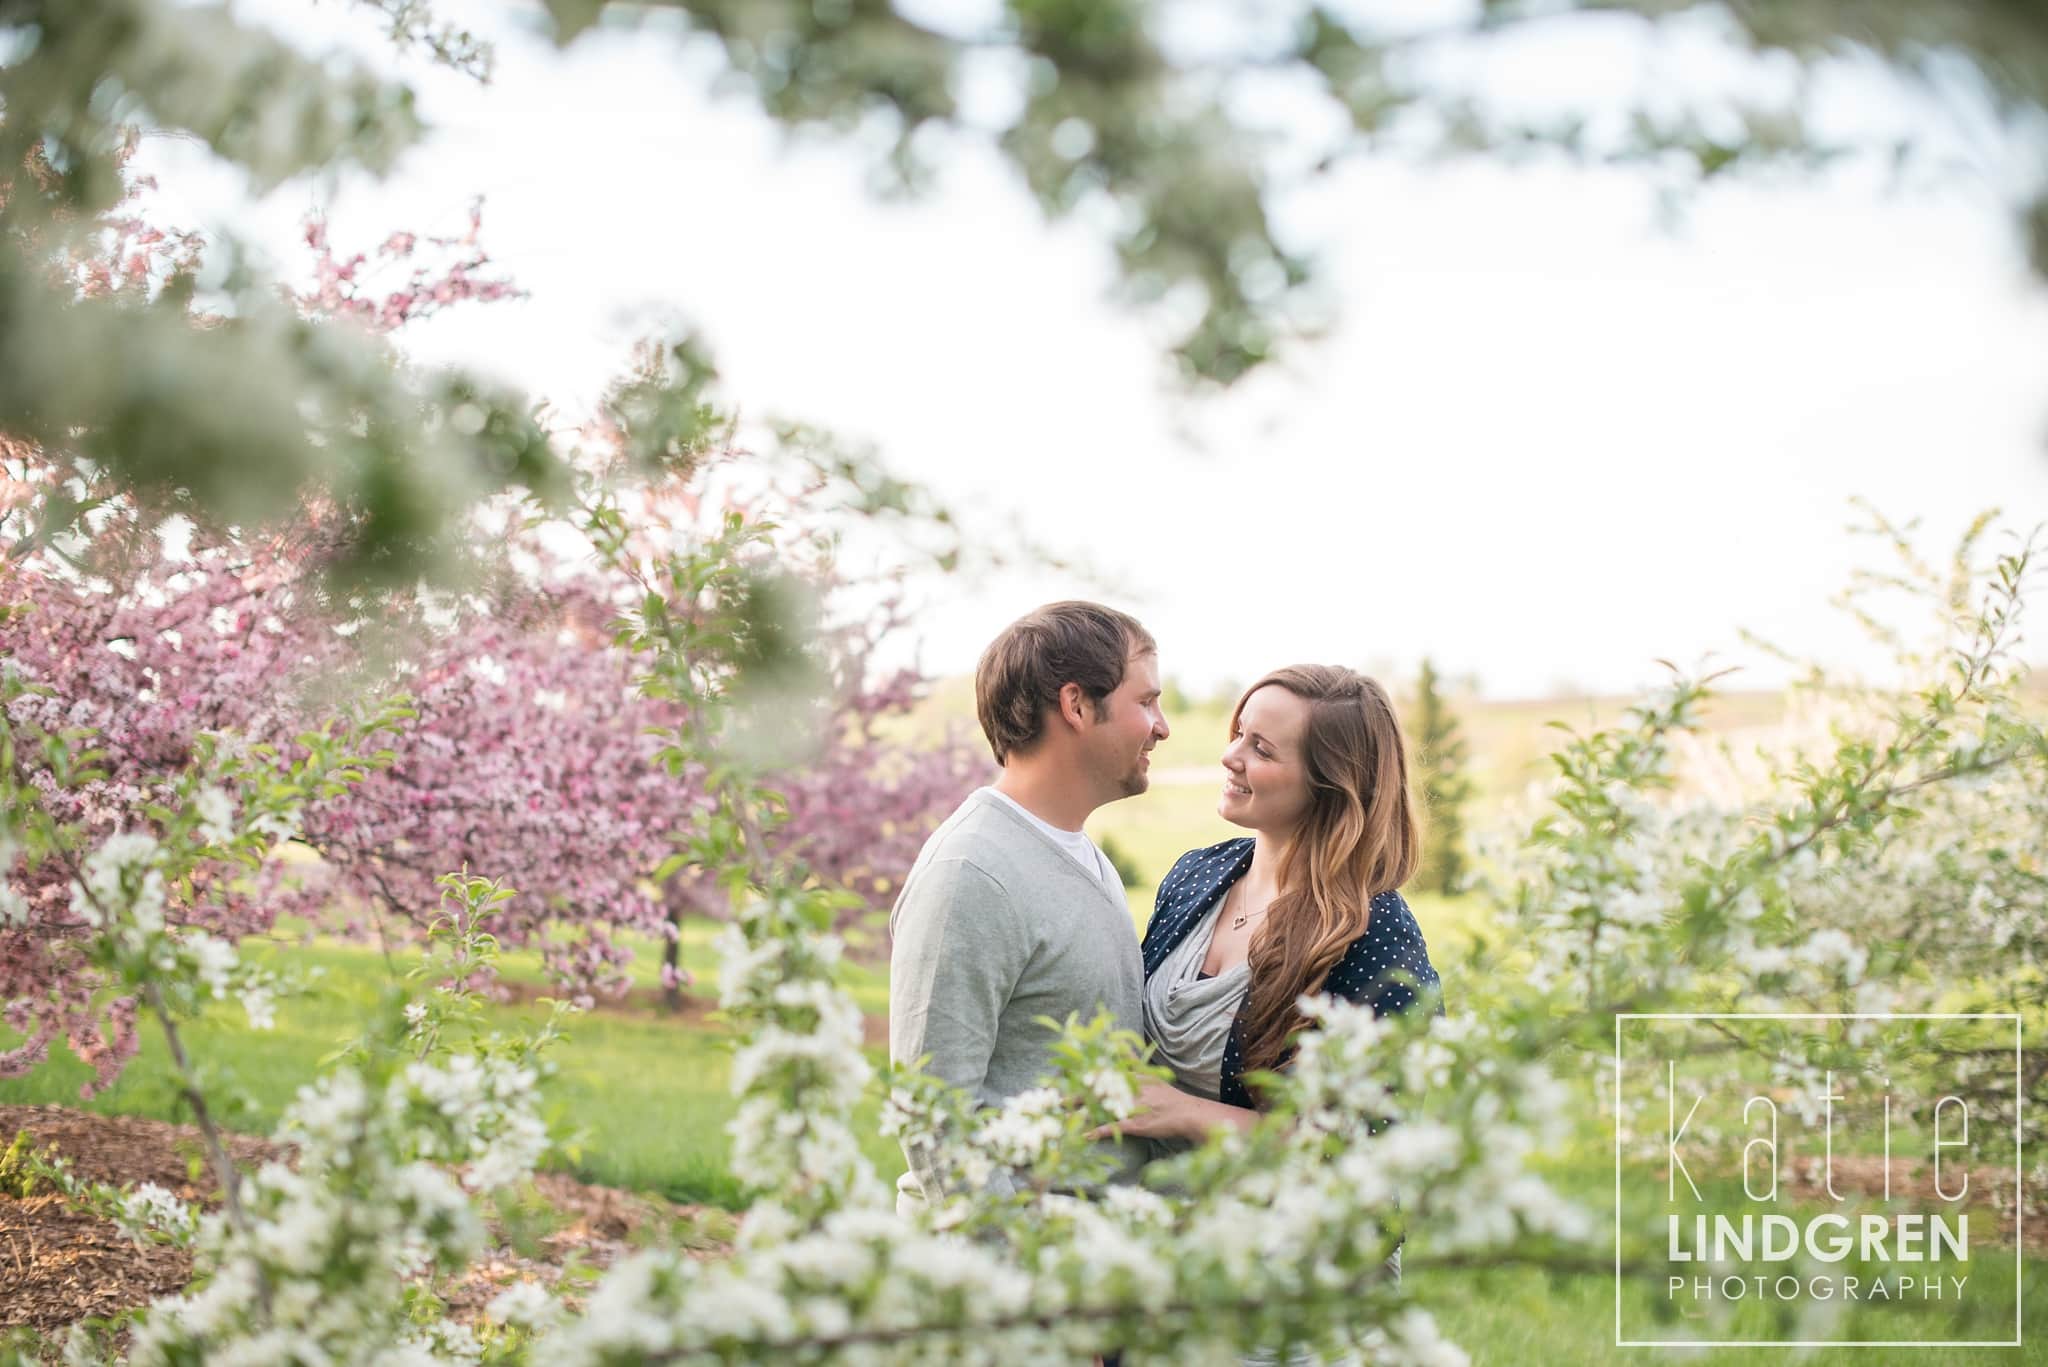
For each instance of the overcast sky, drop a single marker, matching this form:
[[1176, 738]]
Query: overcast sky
[[1548, 441]]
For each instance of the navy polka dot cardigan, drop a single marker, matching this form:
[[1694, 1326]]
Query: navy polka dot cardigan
[[1376, 968]]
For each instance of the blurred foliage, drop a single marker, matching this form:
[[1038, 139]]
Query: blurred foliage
[[1144, 111], [1151, 123]]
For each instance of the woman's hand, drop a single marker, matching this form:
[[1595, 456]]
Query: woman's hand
[[1166, 1112]]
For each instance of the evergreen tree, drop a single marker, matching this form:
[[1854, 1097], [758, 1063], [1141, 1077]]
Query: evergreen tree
[[1127, 871], [1443, 786]]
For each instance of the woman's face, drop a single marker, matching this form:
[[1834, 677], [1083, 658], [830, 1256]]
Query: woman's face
[[1266, 786]]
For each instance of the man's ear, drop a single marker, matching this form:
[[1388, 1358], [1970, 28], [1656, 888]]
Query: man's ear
[[1074, 705]]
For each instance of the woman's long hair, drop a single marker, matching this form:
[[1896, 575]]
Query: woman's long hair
[[1358, 839]]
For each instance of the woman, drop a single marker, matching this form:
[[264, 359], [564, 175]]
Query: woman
[[1317, 771]]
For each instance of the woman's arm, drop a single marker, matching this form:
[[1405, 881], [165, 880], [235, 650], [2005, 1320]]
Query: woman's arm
[[1166, 1112]]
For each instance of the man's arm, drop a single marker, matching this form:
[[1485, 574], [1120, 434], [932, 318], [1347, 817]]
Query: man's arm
[[956, 956]]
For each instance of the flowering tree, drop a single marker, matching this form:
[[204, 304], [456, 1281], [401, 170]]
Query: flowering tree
[[1883, 854], [526, 749], [1274, 1237], [532, 754], [1795, 876], [1631, 898], [109, 632], [343, 287]]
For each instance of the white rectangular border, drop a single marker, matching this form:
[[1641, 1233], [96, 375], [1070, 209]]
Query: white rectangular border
[[2018, 1173]]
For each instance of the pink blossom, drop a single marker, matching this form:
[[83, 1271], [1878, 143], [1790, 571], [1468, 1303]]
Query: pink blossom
[[543, 773]]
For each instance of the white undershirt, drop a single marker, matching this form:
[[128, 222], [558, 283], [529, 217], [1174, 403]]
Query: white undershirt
[[1075, 843]]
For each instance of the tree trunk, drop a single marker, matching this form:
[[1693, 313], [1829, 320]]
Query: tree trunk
[[672, 962]]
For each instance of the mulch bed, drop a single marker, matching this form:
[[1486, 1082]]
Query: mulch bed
[[63, 1265], [60, 1265]]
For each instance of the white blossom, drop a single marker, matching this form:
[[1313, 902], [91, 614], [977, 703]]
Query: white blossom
[[277, 825], [1832, 950], [1113, 1089], [213, 960], [1413, 1340], [1018, 1133], [150, 1207], [260, 1004], [14, 908], [526, 1304], [216, 815], [120, 877]]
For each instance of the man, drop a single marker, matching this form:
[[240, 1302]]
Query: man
[[1011, 913]]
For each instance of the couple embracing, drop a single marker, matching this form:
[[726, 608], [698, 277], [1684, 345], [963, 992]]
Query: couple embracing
[[1012, 914]]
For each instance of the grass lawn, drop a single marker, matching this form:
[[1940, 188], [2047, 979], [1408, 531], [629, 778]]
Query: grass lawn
[[647, 1091], [1516, 1316]]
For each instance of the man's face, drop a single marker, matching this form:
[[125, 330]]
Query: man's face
[[1120, 743]]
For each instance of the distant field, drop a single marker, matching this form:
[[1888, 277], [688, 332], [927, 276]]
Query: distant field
[[1509, 740], [1509, 744]]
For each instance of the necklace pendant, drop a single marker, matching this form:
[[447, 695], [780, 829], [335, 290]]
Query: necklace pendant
[[1238, 924]]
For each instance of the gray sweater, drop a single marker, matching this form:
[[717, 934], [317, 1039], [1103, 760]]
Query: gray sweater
[[996, 926]]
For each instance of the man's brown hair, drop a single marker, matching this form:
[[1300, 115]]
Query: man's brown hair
[[1021, 673]]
